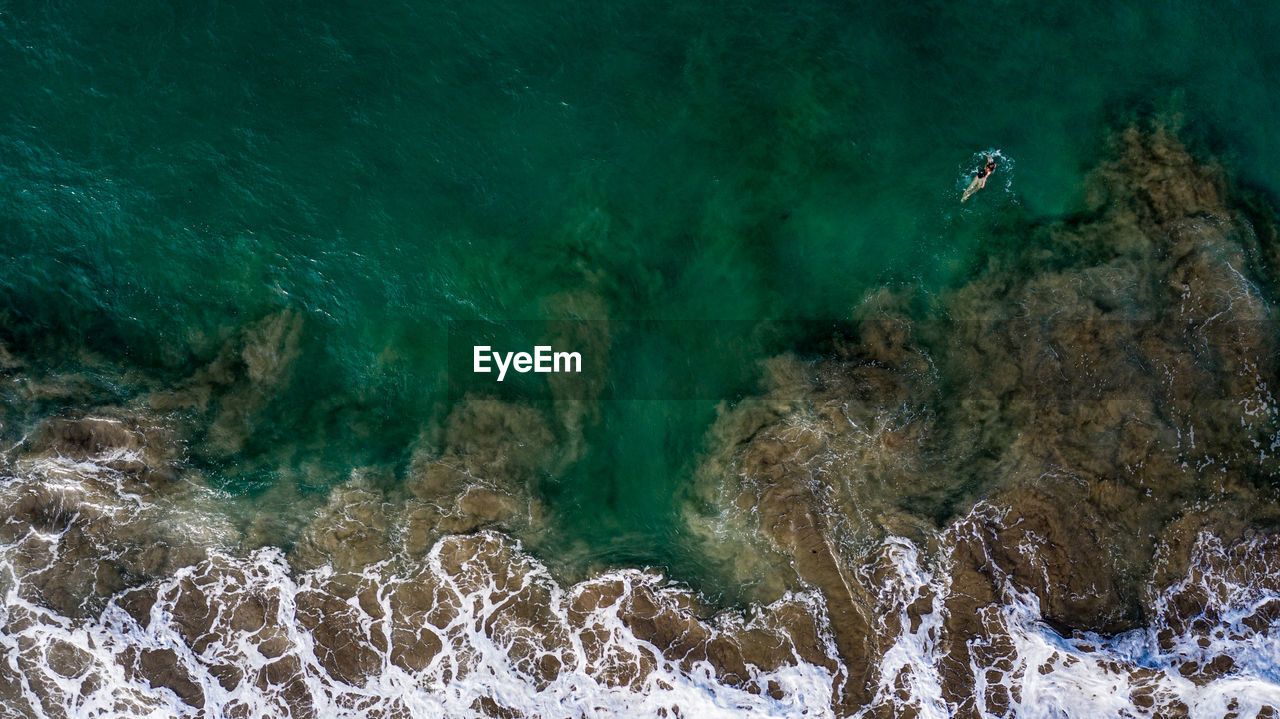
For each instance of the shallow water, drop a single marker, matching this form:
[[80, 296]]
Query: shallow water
[[267, 223], [179, 170]]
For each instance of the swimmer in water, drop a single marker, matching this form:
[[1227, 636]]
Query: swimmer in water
[[980, 181]]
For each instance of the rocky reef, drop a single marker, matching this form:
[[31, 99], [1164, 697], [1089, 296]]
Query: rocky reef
[[1049, 488], [1063, 423]]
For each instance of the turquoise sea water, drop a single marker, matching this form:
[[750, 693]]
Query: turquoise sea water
[[173, 171]]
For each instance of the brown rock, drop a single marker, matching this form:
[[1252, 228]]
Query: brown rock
[[161, 668]]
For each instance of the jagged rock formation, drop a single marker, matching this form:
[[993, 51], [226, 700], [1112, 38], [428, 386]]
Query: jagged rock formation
[[1088, 385], [1082, 434]]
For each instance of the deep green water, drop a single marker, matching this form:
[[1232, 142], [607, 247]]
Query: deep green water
[[172, 171]]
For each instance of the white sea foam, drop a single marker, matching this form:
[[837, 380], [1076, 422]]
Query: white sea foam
[[908, 675], [479, 628], [484, 655], [1164, 669]]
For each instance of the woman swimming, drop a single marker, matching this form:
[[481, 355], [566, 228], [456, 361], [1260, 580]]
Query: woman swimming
[[980, 181]]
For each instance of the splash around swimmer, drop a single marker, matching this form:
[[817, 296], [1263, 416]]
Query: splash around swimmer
[[980, 179]]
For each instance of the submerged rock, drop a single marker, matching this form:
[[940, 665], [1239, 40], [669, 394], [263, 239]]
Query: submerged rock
[[1085, 386], [351, 532], [87, 512], [492, 455], [1055, 492], [252, 367]]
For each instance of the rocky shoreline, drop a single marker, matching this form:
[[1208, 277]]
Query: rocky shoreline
[[1067, 471]]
